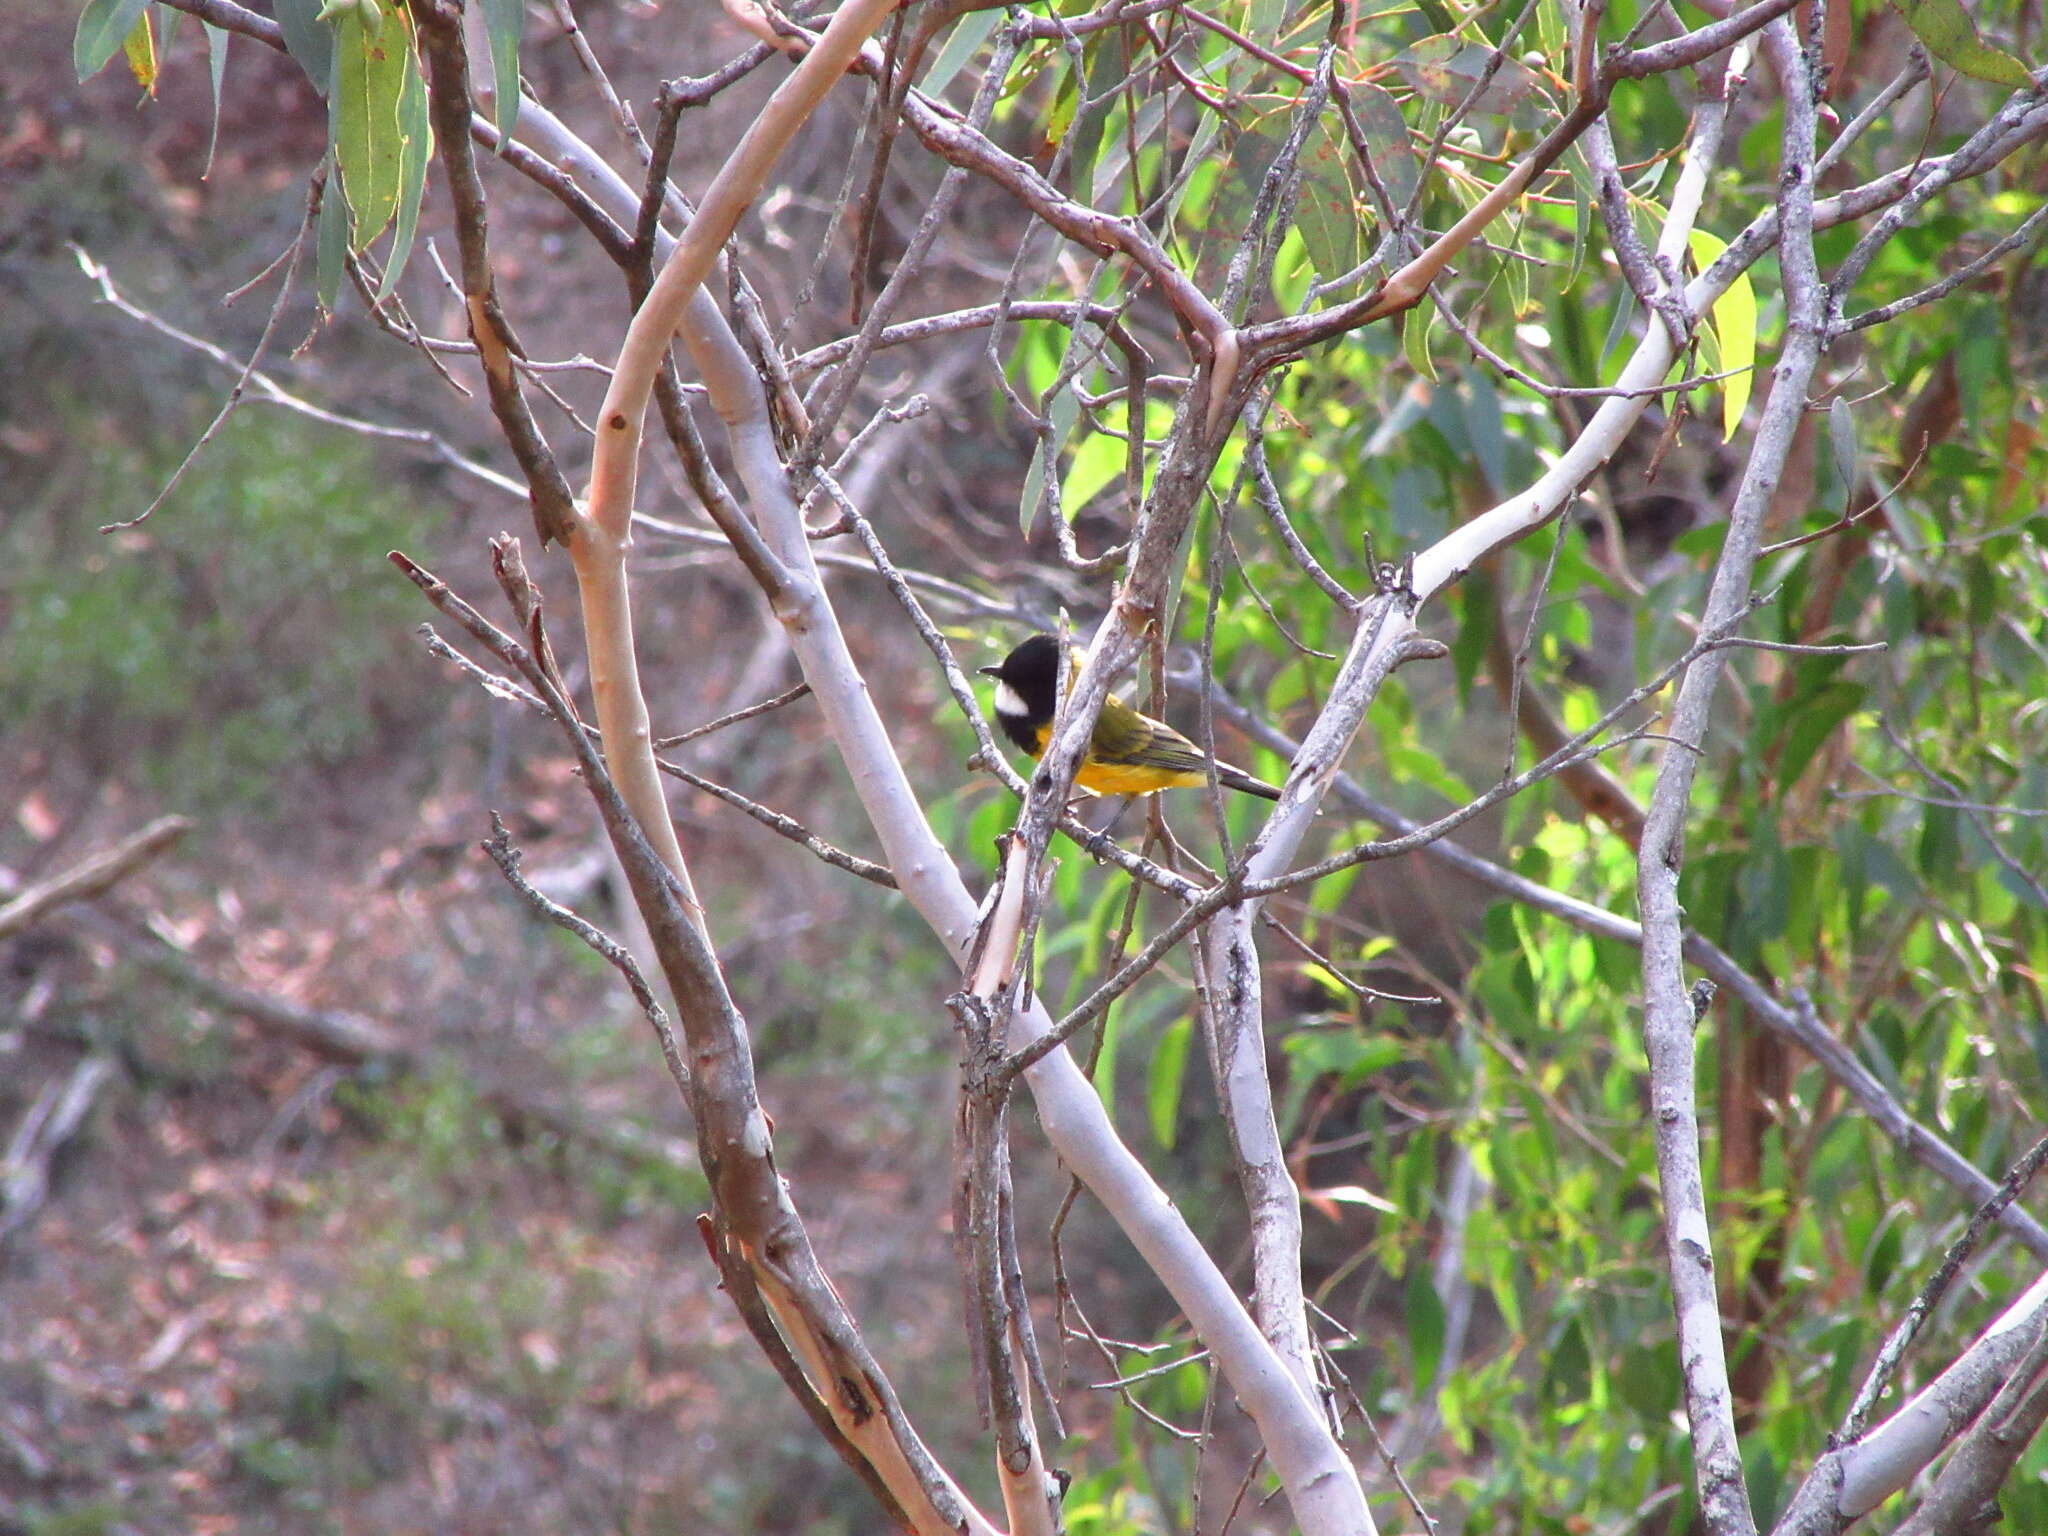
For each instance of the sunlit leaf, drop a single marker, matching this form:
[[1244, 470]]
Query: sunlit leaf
[[140, 48], [103, 27], [1951, 36], [372, 60], [1164, 1079], [1735, 327]]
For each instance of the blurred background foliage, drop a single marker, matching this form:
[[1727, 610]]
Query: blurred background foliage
[[450, 1301]]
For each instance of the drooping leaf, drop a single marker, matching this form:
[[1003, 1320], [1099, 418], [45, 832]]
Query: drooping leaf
[[308, 39], [140, 48], [1326, 205], [1163, 1082], [1422, 1314], [416, 132], [1951, 36], [103, 27], [1062, 413], [1735, 325], [372, 60], [967, 36], [330, 243], [1385, 133], [1842, 438], [1415, 329], [505, 24], [1098, 461], [216, 71]]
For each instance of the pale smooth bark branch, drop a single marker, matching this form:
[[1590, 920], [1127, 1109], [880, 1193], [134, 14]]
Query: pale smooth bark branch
[[1963, 1500], [92, 875], [739, 181], [1849, 1481], [1922, 1306], [1235, 988], [975, 317], [1322, 1486], [603, 532], [1669, 1020]]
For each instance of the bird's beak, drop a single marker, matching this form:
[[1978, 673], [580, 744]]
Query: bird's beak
[[990, 671]]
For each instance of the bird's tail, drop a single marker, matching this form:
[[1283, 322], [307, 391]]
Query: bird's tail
[[1244, 783]]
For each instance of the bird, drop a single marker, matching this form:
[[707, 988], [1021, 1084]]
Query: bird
[[1129, 753]]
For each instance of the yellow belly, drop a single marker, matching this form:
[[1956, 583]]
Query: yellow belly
[[1120, 779]]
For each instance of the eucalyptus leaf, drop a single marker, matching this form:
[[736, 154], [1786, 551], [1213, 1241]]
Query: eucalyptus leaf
[[308, 39], [103, 27], [504, 25]]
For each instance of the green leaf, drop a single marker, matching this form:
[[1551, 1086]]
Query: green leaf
[[967, 36], [1422, 1312], [1062, 414], [216, 69], [1326, 208], [1164, 1080], [1813, 722], [103, 26], [1842, 438], [140, 47], [331, 244], [1649, 1381], [417, 133], [1735, 325], [1416, 325], [504, 23], [1099, 460], [1951, 36], [1568, 1375], [1385, 133], [308, 39], [371, 63]]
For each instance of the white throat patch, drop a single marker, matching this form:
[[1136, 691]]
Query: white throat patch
[[1010, 702]]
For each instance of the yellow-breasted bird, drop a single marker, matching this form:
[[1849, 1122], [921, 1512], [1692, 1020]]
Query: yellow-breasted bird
[[1128, 754]]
